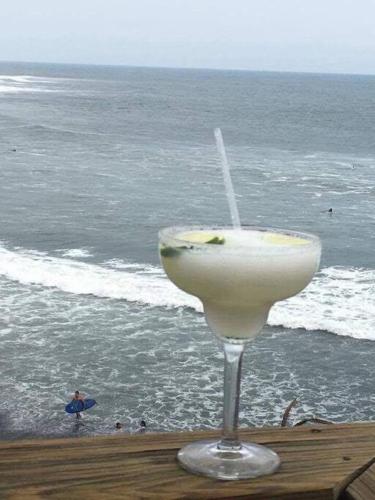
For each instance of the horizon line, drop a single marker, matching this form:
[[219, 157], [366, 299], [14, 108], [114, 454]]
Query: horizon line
[[191, 68]]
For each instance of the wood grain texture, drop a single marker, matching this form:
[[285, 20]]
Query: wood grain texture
[[317, 463], [363, 487]]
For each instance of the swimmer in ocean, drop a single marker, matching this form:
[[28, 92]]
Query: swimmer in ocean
[[142, 427]]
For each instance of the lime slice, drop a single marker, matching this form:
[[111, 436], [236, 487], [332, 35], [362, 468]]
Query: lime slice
[[283, 239], [201, 237]]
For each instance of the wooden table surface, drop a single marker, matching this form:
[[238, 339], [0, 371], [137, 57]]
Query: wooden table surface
[[319, 462]]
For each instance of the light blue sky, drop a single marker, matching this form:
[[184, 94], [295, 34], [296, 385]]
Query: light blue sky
[[281, 35]]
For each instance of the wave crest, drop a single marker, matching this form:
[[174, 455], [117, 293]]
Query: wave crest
[[339, 300], [72, 276]]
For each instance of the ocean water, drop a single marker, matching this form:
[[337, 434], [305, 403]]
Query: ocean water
[[95, 160]]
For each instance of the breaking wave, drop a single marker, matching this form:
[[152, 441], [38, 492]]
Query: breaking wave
[[339, 300]]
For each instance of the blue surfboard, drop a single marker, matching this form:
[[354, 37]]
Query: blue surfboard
[[78, 405]]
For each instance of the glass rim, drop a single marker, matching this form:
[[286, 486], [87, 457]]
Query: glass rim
[[170, 232]]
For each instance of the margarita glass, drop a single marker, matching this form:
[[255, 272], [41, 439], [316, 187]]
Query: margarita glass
[[238, 274]]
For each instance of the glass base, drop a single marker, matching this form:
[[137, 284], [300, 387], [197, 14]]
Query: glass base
[[206, 459]]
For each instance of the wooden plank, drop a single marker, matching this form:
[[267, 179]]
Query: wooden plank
[[317, 463], [363, 487]]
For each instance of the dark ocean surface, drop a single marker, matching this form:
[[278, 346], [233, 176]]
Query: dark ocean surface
[[95, 160]]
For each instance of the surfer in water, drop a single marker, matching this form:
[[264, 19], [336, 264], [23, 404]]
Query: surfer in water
[[329, 211], [142, 427], [78, 397], [79, 403]]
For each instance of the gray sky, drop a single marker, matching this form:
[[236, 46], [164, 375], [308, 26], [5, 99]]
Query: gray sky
[[281, 35]]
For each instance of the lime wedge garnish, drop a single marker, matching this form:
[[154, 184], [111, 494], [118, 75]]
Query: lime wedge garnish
[[283, 239], [202, 237], [216, 240], [168, 252]]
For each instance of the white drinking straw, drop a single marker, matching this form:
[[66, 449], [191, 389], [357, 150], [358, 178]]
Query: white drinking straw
[[235, 216]]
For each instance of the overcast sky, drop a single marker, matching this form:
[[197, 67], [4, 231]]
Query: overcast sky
[[281, 35]]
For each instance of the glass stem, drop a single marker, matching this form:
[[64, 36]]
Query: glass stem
[[232, 380]]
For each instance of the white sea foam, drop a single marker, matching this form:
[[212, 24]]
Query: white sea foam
[[339, 300], [82, 278], [25, 83], [28, 78], [10, 88], [79, 253], [17, 78], [15, 89], [142, 268]]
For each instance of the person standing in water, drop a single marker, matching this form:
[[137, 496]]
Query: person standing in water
[[78, 397]]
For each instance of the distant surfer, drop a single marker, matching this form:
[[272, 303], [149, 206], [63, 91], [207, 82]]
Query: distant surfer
[[118, 427], [330, 211], [78, 397]]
